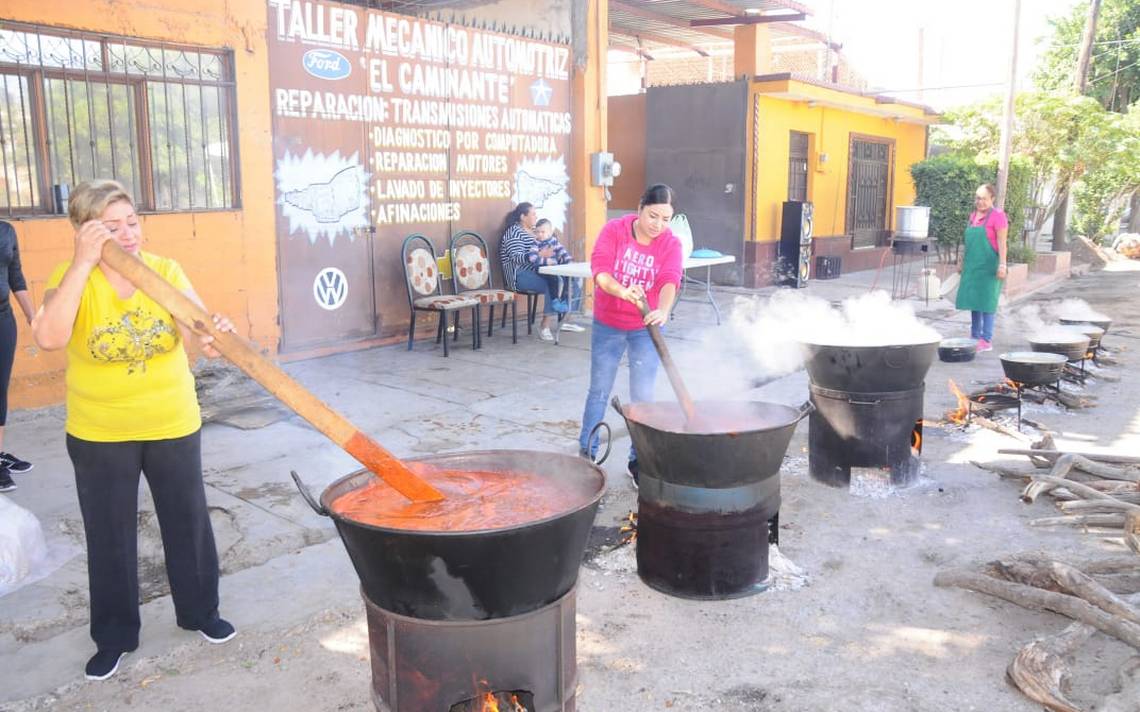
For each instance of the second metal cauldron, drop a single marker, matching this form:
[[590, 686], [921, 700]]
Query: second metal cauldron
[[869, 369], [706, 498]]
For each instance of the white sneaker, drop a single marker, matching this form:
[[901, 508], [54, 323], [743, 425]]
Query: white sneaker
[[545, 335], [567, 326]]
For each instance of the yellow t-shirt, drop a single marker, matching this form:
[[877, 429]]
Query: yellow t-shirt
[[128, 377]]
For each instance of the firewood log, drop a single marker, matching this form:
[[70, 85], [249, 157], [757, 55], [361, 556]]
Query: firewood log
[[1012, 473], [1039, 669], [1059, 577], [1105, 521], [1041, 600]]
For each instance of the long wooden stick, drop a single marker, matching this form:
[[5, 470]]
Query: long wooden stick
[[338, 429], [1102, 457], [671, 371]]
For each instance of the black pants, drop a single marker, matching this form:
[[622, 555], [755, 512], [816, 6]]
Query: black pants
[[7, 356], [107, 480]]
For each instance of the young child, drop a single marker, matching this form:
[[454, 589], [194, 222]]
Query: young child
[[547, 250], [544, 239]]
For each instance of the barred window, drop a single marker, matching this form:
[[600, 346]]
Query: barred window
[[75, 106]]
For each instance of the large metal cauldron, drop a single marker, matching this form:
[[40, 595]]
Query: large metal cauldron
[[472, 575], [706, 497], [869, 369]]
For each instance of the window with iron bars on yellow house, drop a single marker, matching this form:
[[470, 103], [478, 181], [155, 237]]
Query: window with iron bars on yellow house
[[74, 106]]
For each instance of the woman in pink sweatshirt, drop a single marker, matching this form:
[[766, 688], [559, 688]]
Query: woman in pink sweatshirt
[[636, 258]]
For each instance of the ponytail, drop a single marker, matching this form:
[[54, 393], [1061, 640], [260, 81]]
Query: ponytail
[[515, 215]]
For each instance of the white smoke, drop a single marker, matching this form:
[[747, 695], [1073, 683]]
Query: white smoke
[[1041, 320], [772, 330], [1076, 309]]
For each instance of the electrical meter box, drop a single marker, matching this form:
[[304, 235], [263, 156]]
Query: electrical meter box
[[603, 169]]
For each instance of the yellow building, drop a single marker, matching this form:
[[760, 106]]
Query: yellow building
[[761, 139], [852, 163]]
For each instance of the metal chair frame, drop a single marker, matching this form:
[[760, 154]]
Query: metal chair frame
[[412, 242], [465, 237]]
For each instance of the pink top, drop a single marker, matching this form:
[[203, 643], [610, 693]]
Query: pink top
[[652, 266], [994, 220]]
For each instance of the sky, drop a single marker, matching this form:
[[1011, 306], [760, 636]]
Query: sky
[[967, 43]]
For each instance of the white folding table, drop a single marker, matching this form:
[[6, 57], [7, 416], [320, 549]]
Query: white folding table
[[581, 270]]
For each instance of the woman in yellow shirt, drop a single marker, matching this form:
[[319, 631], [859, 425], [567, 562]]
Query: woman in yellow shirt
[[131, 409]]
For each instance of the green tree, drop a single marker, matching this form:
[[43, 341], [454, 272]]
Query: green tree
[[1060, 134], [1114, 71], [1101, 194]]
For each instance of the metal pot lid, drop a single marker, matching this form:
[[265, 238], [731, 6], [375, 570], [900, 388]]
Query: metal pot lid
[[958, 343], [1028, 357]]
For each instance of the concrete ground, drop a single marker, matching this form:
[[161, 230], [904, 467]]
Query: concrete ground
[[868, 632]]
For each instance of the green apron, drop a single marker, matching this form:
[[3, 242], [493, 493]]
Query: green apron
[[979, 287]]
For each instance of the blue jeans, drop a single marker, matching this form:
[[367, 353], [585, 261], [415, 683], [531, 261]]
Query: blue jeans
[[982, 325], [607, 345], [544, 284]]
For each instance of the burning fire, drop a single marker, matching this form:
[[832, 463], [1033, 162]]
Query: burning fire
[[962, 413], [490, 704]]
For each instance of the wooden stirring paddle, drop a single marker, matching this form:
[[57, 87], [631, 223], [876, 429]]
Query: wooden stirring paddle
[[338, 429], [658, 338]]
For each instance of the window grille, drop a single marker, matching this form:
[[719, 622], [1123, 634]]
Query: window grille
[[798, 166], [75, 106]]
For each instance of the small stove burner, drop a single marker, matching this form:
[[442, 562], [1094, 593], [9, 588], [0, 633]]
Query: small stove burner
[[1004, 396]]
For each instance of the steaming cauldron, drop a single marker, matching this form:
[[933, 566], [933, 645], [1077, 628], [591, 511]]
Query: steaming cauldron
[[868, 403], [869, 369], [705, 498], [472, 575]]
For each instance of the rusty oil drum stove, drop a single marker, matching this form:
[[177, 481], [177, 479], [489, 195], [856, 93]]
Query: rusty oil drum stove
[[448, 609], [705, 500]]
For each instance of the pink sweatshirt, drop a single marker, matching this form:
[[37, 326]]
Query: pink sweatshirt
[[652, 266]]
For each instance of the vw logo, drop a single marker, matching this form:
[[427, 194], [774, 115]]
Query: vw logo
[[326, 64], [330, 288]]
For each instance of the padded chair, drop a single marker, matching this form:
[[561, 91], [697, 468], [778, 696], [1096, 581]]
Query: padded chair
[[471, 277], [425, 292]]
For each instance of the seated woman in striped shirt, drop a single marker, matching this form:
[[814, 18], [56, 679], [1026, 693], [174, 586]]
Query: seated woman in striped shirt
[[520, 274]]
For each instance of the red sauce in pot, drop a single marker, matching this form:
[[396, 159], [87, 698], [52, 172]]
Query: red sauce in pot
[[472, 501]]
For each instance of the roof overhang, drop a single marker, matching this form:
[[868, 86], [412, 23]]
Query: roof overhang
[[814, 93]]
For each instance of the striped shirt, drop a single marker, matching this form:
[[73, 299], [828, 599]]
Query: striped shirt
[[513, 252], [560, 256]]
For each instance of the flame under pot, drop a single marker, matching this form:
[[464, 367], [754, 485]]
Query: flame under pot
[[475, 575], [869, 369], [705, 498], [864, 430]]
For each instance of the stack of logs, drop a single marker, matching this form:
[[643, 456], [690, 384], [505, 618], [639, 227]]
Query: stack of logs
[[1093, 491]]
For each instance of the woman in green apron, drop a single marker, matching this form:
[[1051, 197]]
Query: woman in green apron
[[983, 266]]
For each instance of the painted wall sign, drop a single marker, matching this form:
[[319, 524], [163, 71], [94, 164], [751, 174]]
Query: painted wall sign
[[330, 288], [426, 126], [326, 64]]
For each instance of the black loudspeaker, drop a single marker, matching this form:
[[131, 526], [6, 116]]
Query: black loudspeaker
[[794, 266]]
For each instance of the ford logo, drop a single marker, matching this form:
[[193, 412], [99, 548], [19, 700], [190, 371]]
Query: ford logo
[[326, 64]]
